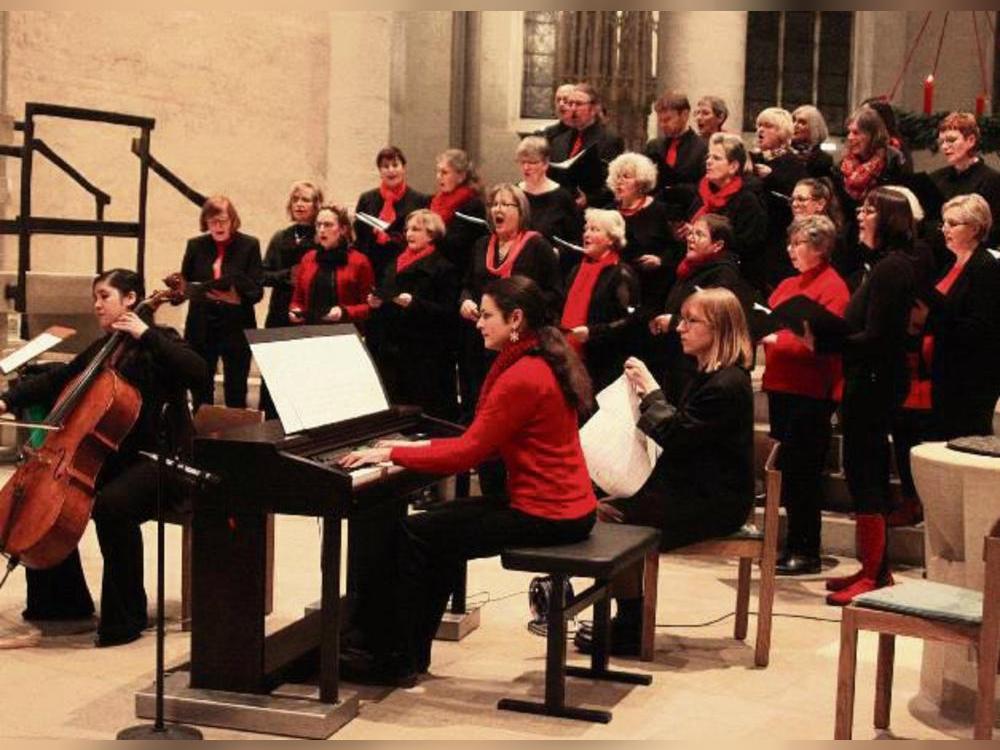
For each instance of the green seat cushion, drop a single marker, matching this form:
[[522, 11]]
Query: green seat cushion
[[928, 599]]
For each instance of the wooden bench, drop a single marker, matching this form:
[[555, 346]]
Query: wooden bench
[[609, 550]]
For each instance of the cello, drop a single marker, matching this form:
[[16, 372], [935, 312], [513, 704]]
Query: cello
[[46, 504]]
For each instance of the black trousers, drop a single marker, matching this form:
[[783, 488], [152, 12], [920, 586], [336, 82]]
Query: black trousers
[[802, 424], [430, 548], [910, 427], [870, 400], [120, 508], [234, 351]]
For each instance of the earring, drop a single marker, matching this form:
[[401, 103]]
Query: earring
[[515, 336]]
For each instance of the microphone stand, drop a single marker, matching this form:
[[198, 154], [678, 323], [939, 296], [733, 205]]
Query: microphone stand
[[158, 730]]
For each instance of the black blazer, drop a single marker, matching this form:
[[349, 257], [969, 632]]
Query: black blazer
[[965, 367], [706, 469], [749, 219], [647, 232], [677, 186], [284, 251], [381, 256], [592, 183], [537, 261], [425, 327], [777, 187], [612, 329], [242, 265], [460, 237]]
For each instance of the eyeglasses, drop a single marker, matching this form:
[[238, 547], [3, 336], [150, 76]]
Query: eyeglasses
[[325, 224], [504, 204], [219, 221], [802, 198], [572, 103], [686, 321]]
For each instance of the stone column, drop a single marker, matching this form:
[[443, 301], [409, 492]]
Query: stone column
[[705, 53]]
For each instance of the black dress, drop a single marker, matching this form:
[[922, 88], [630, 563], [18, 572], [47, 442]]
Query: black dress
[[381, 256], [777, 187], [215, 329], [979, 178], [702, 485], [461, 235], [749, 220], [418, 359], [284, 251], [555, 214], [162, 367], [612, 328]]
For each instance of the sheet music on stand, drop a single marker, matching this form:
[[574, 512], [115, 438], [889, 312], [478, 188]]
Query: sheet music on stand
[[317, 375], [50, 337]]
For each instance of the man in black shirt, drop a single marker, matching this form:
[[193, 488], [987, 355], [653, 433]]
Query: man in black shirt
[[679, 154]]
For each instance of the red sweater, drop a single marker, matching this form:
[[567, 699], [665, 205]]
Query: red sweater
[[354, 282], [790, 367], [525, 418]]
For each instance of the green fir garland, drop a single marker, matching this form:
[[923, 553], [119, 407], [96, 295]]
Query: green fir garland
[[920, 131]]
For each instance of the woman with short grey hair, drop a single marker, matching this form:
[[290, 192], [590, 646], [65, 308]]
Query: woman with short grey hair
[[809, 132]]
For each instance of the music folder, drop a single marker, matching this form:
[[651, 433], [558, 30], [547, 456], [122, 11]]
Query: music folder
[[792, 314], [317, 375], [50, 337]]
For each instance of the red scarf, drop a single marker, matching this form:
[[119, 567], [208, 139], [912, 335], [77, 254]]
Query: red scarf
[[690, 264], [445, 204], [220, 256], [580, 292], [859, 176], [713, 201], [504, 269], [388, 212], [409, 256], [511, 353]]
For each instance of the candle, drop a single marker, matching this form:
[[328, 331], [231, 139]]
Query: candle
[[929, 94], [980, 105]]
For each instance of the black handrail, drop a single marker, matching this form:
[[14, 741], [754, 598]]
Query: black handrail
[[170, 178], [40, 109], [45, 150]]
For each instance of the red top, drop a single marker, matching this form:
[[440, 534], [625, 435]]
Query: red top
[[790, 366], [354, 282], [526, 419]]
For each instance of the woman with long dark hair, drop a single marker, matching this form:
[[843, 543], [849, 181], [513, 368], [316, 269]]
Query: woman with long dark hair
[[527, 413], [163, 368]]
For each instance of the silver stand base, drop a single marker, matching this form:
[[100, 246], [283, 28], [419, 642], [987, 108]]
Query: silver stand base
[[455, 627], [291, 710]]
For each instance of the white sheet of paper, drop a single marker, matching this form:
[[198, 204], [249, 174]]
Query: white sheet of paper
[[319, 380], [38, 345], [620, 457]]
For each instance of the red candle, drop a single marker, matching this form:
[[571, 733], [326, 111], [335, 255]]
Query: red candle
[[980, 105], [928, 94]]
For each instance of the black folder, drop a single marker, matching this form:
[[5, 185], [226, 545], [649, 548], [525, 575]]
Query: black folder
[[793, 314]]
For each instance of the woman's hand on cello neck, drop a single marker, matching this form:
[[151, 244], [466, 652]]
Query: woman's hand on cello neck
[[131, 324]]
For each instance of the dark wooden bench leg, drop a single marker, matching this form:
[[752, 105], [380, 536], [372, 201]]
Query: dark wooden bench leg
[[459, 592], [651, 577]]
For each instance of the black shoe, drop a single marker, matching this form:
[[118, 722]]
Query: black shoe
[[105, 640], [626, 638], [799, 565], [363, 668]]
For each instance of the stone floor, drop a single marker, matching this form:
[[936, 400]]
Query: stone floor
[[56, 685]]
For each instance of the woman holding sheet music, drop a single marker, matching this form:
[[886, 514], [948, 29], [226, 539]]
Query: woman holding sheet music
[[334, 279], [554, 212], [414, 306], [601, 300], [459, 203], [802, 388], [528, 414], [702, 483]]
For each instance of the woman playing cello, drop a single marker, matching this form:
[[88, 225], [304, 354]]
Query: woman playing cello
[[157, 363]]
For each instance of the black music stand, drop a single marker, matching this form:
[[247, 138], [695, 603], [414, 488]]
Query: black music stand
[[159, 730]]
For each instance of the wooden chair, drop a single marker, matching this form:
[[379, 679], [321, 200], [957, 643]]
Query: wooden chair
[[750, 545], [210, 419], [930, 611]]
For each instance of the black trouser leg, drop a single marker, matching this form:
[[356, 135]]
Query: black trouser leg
[[59, 592], [120, 507], [909, 429], [235, 370], [205, 393]]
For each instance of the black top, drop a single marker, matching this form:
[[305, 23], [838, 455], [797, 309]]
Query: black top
[[285, 250], [776, 190], [160, 365], [647, 232], [878, 315], [422, 327], [241, 265], [371, 202], [749, 219], [677, 186], [817, 162], [550, 132], [555, 214], [460, 235], [965, 323], [592, 182], [537, 261], [611, 327], [706, 468], [979, 178]]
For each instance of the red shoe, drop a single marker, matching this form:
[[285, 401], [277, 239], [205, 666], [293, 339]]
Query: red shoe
[[871, 538], [842, 582], [862, 586]]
